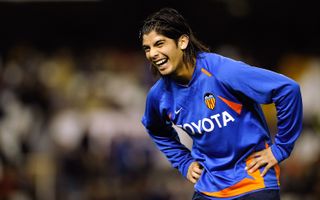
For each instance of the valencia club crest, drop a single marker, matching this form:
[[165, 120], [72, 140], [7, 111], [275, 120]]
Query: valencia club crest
[[210, 100]]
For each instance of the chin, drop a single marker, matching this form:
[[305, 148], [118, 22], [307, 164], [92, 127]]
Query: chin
[[165, 72]]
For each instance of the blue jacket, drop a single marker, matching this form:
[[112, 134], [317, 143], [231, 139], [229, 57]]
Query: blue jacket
[[220, 110]]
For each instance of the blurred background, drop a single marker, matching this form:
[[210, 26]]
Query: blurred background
[[73, 82]]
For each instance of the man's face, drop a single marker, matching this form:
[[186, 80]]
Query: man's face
[[163, 53]]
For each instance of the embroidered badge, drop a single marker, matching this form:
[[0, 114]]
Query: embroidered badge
[[210, 100]]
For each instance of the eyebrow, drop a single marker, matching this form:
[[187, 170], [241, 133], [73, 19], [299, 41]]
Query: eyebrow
[[160, 40], [155, 43]]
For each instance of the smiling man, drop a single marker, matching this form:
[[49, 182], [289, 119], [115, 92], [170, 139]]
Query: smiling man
[[166, 55], [216, 100]]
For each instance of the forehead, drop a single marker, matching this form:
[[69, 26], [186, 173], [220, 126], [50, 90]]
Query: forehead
[[152, 37]]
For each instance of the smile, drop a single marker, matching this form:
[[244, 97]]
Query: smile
[[161, 62]]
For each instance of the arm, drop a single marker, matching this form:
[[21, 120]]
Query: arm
[[289, 113], [170, 145], [264, 87], [164, 135]]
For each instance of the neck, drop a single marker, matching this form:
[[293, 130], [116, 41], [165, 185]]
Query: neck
[[184, 75]]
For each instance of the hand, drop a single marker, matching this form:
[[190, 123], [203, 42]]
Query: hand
[[260, 159], [194, 172]]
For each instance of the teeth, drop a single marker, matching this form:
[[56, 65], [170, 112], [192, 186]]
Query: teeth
[[162, 61]]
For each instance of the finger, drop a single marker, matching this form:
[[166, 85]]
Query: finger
[[195, 175], [259, 163], [197, 170], [254, 167], [251, 164], [265, 170], [192, 180]]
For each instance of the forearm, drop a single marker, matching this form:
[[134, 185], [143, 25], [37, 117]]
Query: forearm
[[178, 154], [289, 114]]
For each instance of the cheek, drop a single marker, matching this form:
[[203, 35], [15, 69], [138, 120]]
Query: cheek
[[176, 56], [147, 56]]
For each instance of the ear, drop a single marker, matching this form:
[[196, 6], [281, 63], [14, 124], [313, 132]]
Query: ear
[[183, 42]]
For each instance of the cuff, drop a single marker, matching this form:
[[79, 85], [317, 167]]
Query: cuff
[[278, 152]]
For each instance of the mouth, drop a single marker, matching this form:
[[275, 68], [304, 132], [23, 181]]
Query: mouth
[[161, 62]]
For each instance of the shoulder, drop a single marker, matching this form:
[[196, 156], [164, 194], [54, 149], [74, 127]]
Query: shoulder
[[217, 60], [219, 65]]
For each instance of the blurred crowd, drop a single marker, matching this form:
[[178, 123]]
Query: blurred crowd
[[70, 127]]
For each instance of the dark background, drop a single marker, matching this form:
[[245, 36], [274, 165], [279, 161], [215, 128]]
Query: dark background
[[262, 28], [73, 83]]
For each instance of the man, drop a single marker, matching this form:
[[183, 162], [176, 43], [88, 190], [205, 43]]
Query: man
[[216, 100]]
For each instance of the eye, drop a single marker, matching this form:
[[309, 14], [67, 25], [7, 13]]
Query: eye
[[146, 49], [159, 44]]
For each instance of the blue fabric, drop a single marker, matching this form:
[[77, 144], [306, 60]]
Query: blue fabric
[[223, 135]]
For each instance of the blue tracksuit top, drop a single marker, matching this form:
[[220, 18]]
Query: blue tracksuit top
[[220, 110]]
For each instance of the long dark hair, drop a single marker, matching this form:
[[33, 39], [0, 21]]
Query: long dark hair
[[170, 23]]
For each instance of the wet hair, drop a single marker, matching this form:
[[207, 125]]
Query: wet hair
[[170, 23]]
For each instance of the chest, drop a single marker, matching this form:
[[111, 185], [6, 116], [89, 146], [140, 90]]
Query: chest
[[205, 106]]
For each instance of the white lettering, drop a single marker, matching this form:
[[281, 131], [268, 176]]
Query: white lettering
[[226, 118], [185, 126], [215, 117], [208, 124], [211, 125], [198, 127]]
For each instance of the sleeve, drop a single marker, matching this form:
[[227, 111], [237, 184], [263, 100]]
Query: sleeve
[[165, 136], [264, 87]]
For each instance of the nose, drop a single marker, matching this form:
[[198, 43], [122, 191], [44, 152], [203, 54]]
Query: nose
[[153, 54]]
